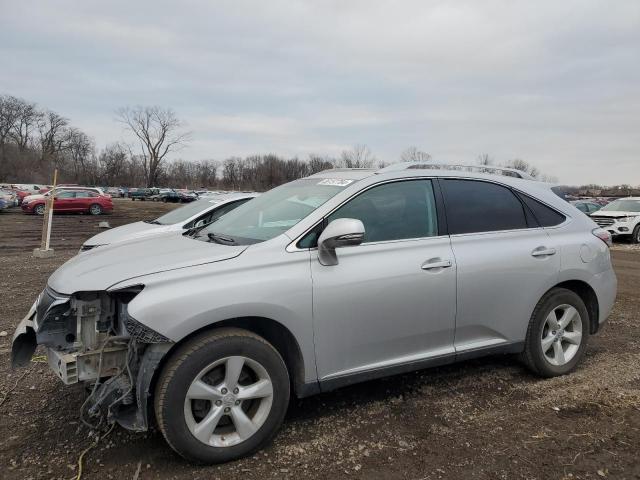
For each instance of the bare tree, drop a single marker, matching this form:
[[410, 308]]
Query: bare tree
[[9, 110], [81, 150], [523, 166], [113, 163], [412, 154], [484, 159], [159, 132], [318, 163], [359, 156], [26, 122], [53, 137]]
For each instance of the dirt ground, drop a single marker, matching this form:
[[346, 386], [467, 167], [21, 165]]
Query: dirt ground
[[483, 419]]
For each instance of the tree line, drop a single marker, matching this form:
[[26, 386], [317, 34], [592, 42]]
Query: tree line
[[35, 141]]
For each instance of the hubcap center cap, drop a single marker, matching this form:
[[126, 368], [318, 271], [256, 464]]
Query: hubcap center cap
[[229, 400]]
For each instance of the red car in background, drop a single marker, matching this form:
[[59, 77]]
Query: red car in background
[[86, 201], [22, 191]]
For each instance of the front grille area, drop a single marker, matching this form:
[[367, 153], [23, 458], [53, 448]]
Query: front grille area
[[604, 221]]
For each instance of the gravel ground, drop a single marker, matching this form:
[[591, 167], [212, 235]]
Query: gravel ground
[[484, 419]]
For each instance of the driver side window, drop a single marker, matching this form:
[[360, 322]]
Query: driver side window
[[394, 211]]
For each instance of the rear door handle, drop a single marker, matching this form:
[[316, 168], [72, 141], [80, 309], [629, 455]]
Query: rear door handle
[[543, 252], [434, 263]]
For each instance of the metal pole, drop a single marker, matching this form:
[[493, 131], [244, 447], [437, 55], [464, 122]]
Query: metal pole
[[48, 214]]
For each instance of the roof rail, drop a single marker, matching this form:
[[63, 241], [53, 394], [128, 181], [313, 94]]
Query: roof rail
[[345, 169], [490, 169]]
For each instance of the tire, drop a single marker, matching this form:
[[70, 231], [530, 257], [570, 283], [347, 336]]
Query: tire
[[39, 209], [572, 339], [635, 238], [207, 356], [164, 200], [95, 209], [133, 199]]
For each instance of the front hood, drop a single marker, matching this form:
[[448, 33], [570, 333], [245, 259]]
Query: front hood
[[126, 232], [102, 267], [605, 213]]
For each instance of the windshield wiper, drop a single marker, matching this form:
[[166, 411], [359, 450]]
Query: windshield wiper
[[221, 239], [193, 231]]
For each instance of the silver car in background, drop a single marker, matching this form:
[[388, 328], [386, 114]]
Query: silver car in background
[[337, 278], [191, 216]]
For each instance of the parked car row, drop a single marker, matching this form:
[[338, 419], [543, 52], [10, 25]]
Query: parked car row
[[163, 195], [216, 312]]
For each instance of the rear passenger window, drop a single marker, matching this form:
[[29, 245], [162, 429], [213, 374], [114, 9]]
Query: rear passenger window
[[546, 216], [475, 206]]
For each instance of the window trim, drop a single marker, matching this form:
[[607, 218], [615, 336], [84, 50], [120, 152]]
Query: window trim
[[440, 216]]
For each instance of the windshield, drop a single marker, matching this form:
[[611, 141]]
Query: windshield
[[274, 212], [622, 205], [184, 213]]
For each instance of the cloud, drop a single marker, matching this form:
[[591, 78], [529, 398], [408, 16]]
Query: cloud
[[555, 83]]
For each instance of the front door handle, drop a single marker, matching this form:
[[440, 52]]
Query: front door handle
[[543, 252], [434, 263]]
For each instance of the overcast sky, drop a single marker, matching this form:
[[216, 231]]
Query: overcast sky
[[556, 83]]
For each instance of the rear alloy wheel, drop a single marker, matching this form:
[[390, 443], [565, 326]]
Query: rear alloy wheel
[[558, 333], [39, 209], [95, 209], [222, 396], [635, 238]]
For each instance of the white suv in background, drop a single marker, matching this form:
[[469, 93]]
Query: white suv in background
[[620, 218]]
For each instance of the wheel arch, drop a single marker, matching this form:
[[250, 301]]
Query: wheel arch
[[271, 330], [588, 296]]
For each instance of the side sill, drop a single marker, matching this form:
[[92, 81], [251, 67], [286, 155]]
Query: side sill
[[343, 381]]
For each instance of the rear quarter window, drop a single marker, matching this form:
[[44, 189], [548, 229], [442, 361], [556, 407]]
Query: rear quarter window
[[546, 216]]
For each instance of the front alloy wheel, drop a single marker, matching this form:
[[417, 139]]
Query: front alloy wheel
[[228, 401], [221, 395]]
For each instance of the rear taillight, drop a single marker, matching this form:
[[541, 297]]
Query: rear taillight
[[603, 235]]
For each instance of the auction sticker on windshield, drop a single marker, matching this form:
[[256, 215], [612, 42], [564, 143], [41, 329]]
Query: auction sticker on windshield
[[335, 182]]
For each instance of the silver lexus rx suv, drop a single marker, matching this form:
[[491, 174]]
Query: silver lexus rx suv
[[337, 278]]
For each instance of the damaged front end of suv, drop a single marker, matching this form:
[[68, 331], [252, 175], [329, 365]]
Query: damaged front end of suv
[[90, 338]]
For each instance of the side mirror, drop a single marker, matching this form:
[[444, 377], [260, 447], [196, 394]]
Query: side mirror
[[342, 232]]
